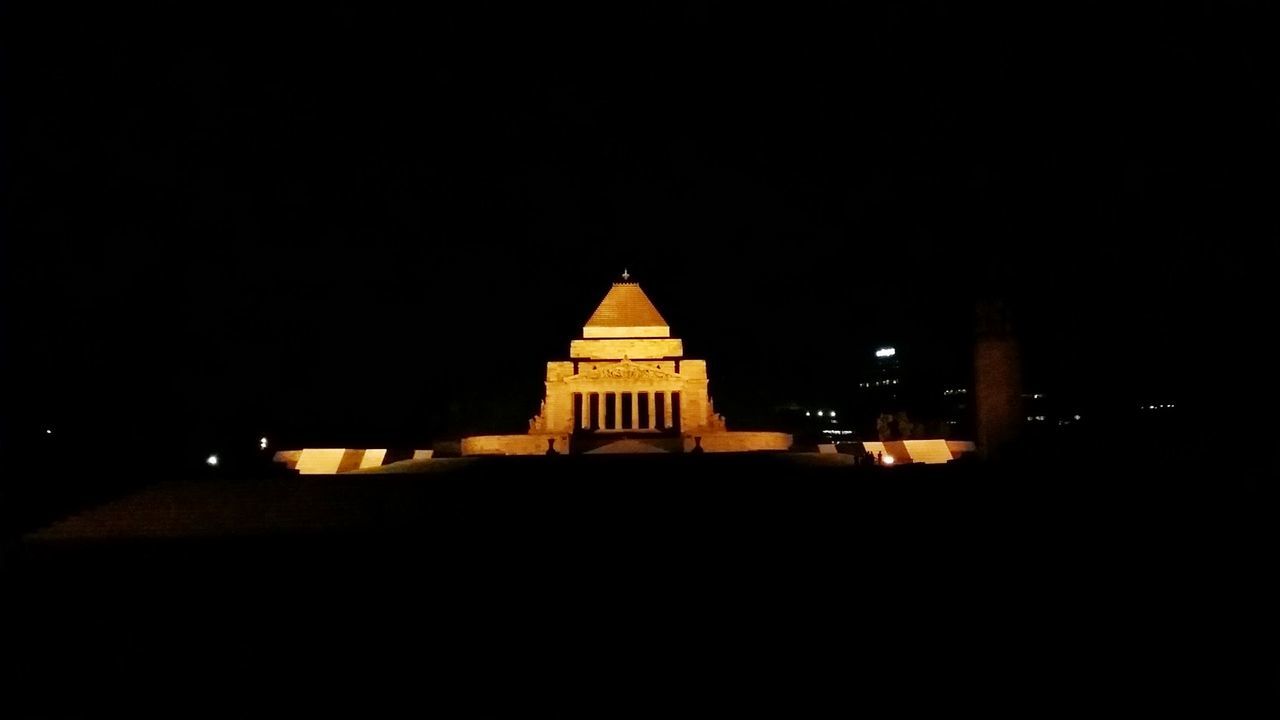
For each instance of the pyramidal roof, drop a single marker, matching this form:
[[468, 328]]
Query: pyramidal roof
[[626, 312]]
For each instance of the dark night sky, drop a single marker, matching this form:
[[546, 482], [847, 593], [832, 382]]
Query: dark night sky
[[335, 221]]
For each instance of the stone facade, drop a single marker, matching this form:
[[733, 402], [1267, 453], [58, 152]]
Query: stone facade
[[531, 444], [626, 374], [330, 461], [920, 451], [625, 378]]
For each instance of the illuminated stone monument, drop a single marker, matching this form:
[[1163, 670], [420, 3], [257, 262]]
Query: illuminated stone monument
[[626, 387]]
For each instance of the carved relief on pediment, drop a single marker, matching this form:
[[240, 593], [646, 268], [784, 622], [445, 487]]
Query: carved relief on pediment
[[625, 370]]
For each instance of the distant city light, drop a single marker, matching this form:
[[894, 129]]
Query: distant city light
[[807, 413], [47, 431], [887, 459], [833, 413], [211, 461], [1077, 417], [819, 413], [886, 352], [262, 443]]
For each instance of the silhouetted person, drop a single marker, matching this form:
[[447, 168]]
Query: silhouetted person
[[551, 447], [879, 458], [697, 445]]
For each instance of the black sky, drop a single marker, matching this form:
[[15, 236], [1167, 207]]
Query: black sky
[[355, 223]]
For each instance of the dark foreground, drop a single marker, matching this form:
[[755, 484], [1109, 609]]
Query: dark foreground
[[671, 584]]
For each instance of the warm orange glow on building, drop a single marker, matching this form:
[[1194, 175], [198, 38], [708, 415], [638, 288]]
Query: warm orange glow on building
[[626, 379], [329, 461], [919, 451]]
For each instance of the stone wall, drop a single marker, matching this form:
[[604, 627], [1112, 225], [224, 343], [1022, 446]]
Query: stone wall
[[330, 461], [558, 370], [634, 348], [739, 441], [531, 444], [920, 451], [631, 331]]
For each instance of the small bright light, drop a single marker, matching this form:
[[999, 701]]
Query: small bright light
[[211, 461], [1077, 417], [807, 413], [262, 443], [833, 413], [819, 413], [886, 352], [47, 431], [887, 459]]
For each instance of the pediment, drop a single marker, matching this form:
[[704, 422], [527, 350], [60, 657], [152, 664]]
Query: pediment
[[624, 370]]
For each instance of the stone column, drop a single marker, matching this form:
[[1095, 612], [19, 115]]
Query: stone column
[[997, 382], [653, 422], [635, 411]]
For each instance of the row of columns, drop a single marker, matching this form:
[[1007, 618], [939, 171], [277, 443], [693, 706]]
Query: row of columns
[[592, 414]]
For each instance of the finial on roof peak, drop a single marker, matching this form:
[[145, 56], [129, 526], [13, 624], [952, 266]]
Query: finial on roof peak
[[625, 274]]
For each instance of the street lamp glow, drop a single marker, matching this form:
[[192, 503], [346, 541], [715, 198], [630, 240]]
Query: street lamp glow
[[211, 461], [819, 413], [887, 459], [886, 352], [833, 413]]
